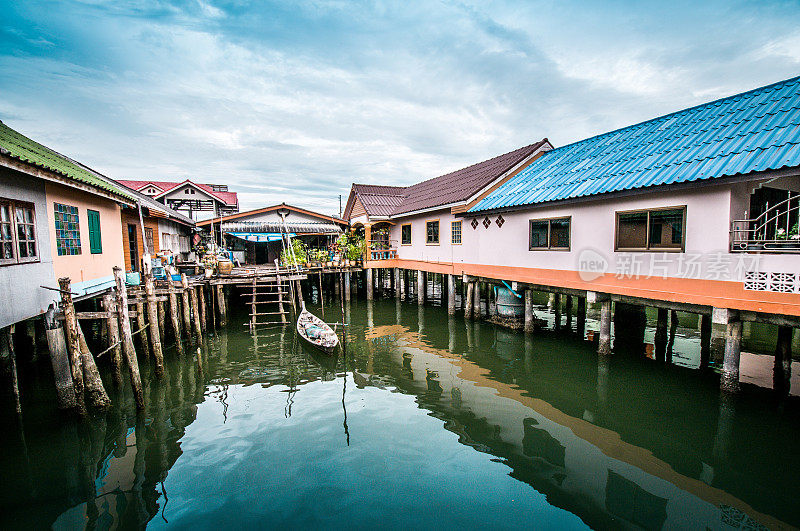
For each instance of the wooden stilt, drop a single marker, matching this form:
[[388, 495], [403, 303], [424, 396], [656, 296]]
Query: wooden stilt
[[451, 295], [557, 311], [187, 312], [201, 292], [223, 309], [299, 289], [782, 372], [59, 359], [568, 310], [112, 323], [476, 299], [604, 344], [705, 341], [529, 317], [8, 359], [673, 327], [95, 391], [141, 323], [470, 288], [175, 320], [73, 343], [30, 332], [396, 283], [197, 329], [127, 338], [347, 288], [368, 283], [155, 324], [420, 287], [162, 320]]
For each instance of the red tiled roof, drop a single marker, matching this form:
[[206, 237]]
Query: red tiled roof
[[229, 198], [453, 187]]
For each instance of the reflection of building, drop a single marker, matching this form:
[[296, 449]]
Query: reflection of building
[[189, 196], [581, 466], [255, 235]]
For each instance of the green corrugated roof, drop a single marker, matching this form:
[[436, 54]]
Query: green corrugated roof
[[23, 148]]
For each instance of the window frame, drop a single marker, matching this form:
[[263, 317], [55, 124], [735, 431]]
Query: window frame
[[648, 247], [410, 234], [12, 221], [549, 232], [460, 232], [438, 231], [77, 229]]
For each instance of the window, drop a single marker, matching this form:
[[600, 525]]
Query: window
[[148, 236], [455, 232], [17, 233], [68, 234], [133, 247], [642, 230], [405, 234], [166, 241], [550, 234], [432, 232], [95, 240]]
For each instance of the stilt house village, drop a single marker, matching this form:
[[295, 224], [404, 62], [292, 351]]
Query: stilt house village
[[691, 217]]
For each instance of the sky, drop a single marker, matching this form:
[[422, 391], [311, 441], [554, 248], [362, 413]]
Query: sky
[[293, 101]]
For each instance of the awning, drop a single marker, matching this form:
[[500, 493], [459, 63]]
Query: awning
[[259, 237], [266, 227]]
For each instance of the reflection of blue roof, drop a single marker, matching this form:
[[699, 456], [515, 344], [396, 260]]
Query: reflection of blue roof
[[753, 131]]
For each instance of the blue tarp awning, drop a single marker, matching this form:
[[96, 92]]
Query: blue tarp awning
[[259, 237]]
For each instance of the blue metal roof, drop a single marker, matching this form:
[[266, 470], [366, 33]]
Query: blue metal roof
[[753, 131]]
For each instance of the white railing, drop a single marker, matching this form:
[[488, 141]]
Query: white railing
[[775, 230]]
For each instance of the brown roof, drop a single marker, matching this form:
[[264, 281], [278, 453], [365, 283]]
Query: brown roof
[[453, 187]]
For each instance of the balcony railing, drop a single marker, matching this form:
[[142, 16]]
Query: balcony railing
[[774, 231], [382, 249]]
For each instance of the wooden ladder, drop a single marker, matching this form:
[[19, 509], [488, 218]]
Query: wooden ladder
[[264, 296]]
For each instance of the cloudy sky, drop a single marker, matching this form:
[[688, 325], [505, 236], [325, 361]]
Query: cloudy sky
[[293, 101]]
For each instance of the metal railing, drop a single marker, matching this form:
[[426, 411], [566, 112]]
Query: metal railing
[[771, 231]]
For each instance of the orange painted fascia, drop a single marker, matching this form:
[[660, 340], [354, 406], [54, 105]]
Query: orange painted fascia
[[715, 293]]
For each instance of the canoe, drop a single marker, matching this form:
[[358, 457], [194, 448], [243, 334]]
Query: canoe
[[316, 332]]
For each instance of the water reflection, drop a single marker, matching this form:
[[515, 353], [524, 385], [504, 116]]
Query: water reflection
[[538, 430]]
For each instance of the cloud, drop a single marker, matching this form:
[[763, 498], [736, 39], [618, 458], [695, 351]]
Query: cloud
[[295, 101]]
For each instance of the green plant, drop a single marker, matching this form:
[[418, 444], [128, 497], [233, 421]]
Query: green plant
[[299, 255], [356, 248]]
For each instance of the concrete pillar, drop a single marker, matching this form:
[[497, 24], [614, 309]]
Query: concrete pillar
[[782, 373], [476, 299], [420, 287], [451, 295], [346, 288], [557, 311], [396, 283], [580, 318], [369, 283], [568, 310], [730, 363], [661, 334], [705, 341], [529, 317], [469, 286], [604, 345]]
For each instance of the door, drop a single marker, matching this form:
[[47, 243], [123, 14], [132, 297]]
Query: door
[[134, 248]]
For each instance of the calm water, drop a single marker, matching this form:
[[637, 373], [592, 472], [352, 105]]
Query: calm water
[[427, 422]]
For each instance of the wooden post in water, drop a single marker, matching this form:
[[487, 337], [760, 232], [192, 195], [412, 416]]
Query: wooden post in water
[[782, 373], [59, 359], [470, 288], [299, 293], [141, 322], [673, 327], [112, 323], [396, 283], [155, 325], [451, 294], [95, 392], [604, 344], [476, 299], [529, 317], [420, 286], [223, 310], [730, 364], [127, 338], [73, 343], [557, 311], [175, 320], [368, 283], [580, 318], [187, 313], [8, 359], [201, 292], [660, 340], [347, 289], [197, 329], [162, 320]]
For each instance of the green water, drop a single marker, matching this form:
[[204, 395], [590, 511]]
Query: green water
[[427, 422]]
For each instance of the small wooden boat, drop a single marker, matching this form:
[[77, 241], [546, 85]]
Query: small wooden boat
[[316, 332]]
